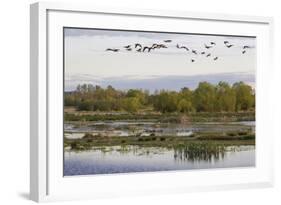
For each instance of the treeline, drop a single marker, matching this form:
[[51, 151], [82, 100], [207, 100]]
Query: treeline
[[207, 97]]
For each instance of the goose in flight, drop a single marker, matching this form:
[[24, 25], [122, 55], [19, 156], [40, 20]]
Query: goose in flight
[[138, 50], [208, 55], [229, 46], [138, 45], [154, 45], [194, 51], [112, 49], [244, 51], [192, 60], [245, 47], [225, 42], [162, 46], [128, 46], [167, 41], [202, 53], [146, 47], [212, 43], [216, 58], [208, 46], [182, 47]]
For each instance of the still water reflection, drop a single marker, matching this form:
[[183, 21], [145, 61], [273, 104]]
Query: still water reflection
[[125, 159]]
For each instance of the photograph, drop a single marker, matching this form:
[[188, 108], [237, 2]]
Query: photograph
[[152, 101]]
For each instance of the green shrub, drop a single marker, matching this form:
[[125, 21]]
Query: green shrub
[[162, 138]]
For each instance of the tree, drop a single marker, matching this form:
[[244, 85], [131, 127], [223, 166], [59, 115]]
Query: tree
[[204, 97], [166, 101], [137, 94], [69, 99], [185, 106], [185, 100], [245, 97], [86, 105], [131, 104], [225, 97]]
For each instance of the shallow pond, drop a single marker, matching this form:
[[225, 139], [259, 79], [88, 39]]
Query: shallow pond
[[126, 159], [146, 128]]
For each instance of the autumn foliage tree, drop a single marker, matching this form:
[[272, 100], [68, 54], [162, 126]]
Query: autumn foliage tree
[[207, 97]]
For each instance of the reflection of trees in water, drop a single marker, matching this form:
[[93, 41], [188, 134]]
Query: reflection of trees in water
[[131, 149], [141, 151], [199, 151], [192, 151]]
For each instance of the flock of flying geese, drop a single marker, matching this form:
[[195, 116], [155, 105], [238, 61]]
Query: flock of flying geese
[[140, 48]]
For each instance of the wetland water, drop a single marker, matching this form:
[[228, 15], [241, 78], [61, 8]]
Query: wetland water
[[146, 128], [134, 158]]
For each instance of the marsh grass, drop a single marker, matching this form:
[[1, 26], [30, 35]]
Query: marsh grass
[[88, 141], [162, 117], [196, 151]]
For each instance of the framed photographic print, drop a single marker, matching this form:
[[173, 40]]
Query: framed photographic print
[[127, 102]]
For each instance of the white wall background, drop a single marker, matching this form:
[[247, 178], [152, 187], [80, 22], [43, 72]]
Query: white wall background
[[14, 101]]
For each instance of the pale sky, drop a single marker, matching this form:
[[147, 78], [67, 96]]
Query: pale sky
[[86, 60]]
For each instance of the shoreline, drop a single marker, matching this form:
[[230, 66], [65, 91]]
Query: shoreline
[[241, 134], [87, 143]]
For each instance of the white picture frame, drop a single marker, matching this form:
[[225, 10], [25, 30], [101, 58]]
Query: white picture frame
[[46, 180]]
